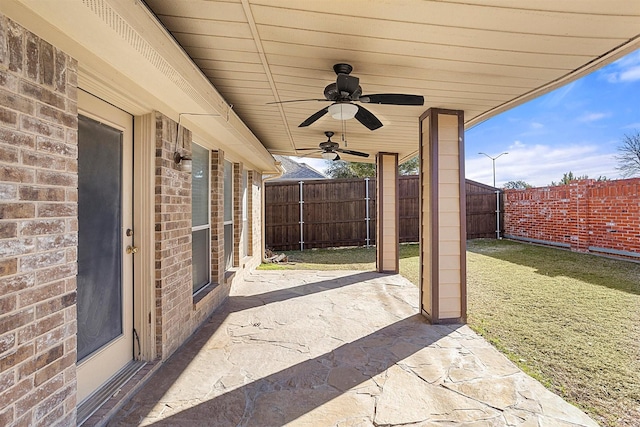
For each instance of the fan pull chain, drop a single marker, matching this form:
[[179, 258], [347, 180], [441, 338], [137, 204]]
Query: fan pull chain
[[344, 133]]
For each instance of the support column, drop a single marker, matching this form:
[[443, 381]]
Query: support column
[[443, 288], [387, 209]]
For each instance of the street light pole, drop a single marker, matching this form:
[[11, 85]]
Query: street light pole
[[493, 161]]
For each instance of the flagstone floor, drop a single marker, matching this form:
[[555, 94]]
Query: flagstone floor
[[345, 348]]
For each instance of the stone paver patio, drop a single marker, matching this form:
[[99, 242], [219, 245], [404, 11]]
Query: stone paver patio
[[340, 348]]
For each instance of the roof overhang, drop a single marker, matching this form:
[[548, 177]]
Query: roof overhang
[[127, 57], [479, 56]]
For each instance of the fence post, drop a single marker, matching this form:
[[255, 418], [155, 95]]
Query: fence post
[[498, 214], [366, 217], [301, 218]]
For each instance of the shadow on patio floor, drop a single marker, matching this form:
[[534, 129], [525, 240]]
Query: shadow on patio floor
[[336, 348]]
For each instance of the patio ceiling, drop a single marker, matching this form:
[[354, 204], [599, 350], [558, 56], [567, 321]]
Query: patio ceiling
[[479, 56]]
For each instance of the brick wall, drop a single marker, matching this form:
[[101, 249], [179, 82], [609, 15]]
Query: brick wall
[[38, 230], [173, 286], [584, 215], [217, 216], [237, 214], [255, 210]]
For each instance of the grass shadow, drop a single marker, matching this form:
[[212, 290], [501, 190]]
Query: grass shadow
[[554, 262]]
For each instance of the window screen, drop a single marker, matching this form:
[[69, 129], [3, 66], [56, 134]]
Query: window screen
[[201, 228], [245, 214], [228, 214]]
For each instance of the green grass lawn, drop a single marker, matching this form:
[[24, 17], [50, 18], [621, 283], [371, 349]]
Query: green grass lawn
[[570, 320]]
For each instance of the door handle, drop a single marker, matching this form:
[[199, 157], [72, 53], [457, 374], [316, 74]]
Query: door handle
[[131, 249]]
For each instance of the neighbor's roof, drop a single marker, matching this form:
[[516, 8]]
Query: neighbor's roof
[[297, 171]]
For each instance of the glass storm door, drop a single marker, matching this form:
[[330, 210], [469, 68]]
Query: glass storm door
[[105, 270]]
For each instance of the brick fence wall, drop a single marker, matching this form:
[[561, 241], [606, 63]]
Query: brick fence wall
[[585, 215]]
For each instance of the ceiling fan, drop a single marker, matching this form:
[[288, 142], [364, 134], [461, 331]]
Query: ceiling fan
[[330, 149], [347, 90]]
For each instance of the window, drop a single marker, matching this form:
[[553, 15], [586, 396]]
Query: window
[[228, 215], [200, 218], [245, 215]]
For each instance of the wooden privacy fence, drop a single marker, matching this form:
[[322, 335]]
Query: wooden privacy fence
[[342, 212]]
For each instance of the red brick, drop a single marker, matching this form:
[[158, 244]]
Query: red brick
[[41, 127], [6, 416], [8, 117], [56, 178], [56, 273], [45, 374], [7, 305], [17, 139], [8, 154], [57, 116], [14, 321], [40, 327], [8, 191], [43, 226], [54, 305], [39, 394], [50, 418], [16, 283], [50, 194], [15, 357], [42, 94], [16, 174], [45, 161], [10, 395], [57, 147], [48, 210], [8, 230], [17, 210], [7, 342], [15, 46], [46, 62], [8, 267]]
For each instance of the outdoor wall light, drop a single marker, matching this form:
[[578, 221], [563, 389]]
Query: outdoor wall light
[[185, 162], [329, 155], [343, 110]]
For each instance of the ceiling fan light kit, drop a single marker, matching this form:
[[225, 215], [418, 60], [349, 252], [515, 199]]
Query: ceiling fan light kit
[[343, 111], [347, 90], [329, 155]]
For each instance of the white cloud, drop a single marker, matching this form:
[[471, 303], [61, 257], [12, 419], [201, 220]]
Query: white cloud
[[540, 164], [632, 126], [624, 70], [536, 125], [592, 117], [555, 98]]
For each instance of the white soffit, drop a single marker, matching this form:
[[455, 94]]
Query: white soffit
[[127, 57], [479, 56]]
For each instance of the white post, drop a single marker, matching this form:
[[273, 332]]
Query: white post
[[301, 218]]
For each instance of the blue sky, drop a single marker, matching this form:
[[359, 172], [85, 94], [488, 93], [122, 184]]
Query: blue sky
[[575, 128]]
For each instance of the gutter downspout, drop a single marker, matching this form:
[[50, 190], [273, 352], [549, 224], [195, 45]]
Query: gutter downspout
[[269, 177]]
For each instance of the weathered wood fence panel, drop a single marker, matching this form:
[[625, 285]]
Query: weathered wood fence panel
[[481, 210], [334, 212]]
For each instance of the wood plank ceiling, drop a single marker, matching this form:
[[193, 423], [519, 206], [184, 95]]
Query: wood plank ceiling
[[479, 56]]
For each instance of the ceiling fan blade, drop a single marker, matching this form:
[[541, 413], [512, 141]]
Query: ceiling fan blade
[[393, 99], [295, 100], [347, 83], [367, 118], [353, 153], [315, 116]]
